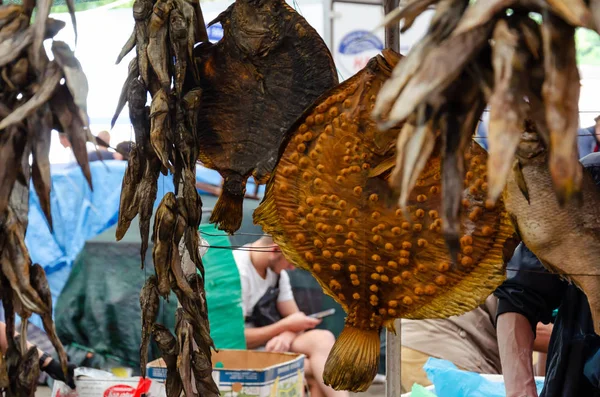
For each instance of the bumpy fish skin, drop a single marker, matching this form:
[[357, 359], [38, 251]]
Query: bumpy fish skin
[[253, 89], [568, 241], [164, 228], [329, 207]]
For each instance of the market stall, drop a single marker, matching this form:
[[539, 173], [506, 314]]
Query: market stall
[[372, 184]]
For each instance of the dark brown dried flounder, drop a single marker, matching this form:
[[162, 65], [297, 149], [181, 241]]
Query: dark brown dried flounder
[[269, 66], [330, 209]]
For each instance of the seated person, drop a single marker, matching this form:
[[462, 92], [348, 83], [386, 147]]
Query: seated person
[[469, 341], [262, 269]]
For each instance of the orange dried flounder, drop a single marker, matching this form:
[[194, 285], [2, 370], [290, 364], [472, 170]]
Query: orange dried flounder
[[329, 207]]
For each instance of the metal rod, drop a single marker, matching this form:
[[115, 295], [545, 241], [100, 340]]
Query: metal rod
[[393, 358], [392, 33]]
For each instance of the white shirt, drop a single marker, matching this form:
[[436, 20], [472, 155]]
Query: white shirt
[[254, 286]]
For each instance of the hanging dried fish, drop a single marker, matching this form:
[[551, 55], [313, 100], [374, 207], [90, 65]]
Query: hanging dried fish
[[158, 51], [164, 227], [149, 302], [566, 242], [169, 348], [561, 97], [329, 208], [254, 86]]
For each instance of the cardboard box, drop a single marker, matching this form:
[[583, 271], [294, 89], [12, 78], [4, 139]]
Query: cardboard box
[[250, 373]]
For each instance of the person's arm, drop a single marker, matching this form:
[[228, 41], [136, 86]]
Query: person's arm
[[527, 296], [542, 337], [296, 322], [516, 347]]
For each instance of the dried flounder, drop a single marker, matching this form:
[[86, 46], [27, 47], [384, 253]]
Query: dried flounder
[[329, 208], [256, 81]]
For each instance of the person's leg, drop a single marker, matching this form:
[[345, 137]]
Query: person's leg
[[412, 369], [316, 345]]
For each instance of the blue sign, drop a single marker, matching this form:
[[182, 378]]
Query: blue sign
[[215, 32], [359, 41]]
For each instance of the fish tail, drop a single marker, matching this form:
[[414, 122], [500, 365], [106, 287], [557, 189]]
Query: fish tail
[[229, 209], [353, 361], [143, 354]]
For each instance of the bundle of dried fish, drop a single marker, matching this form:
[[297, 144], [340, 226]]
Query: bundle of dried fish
[[227, 104], [269, 67], [37, 95], [329, 208], [498, 53]]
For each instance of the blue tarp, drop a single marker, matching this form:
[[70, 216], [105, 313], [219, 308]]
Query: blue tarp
[[449, 381], [78, 214]]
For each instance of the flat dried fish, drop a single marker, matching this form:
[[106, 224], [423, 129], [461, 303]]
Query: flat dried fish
[[178, 38], [40, 134], [332, 217], [164, 227], [169, 348], [160, 124], [269, 66], [142, 9]]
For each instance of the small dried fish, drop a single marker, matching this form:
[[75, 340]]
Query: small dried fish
[[178, 39], [39, 282], [507, 108], [12, 145], [169, 348], [149, 303], [561, 98], [159, 126], [158, 51], [40, 134], [28, 372], [142, 9], [164, 228], [129, 45], [202, 370], [184, 359], [51, 78], [75, 78], [129, 200], [147, 191]]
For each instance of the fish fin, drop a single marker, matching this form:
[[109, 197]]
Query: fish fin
[[520, 180], [127, 47], [383, 167], [354, 359], [229, 209]]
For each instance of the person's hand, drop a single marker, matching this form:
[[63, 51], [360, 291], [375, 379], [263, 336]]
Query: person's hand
[[299, 322], [281, 343], [54, 370]]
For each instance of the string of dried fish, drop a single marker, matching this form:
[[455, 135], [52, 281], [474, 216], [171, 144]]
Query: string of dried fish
[[32, 103]]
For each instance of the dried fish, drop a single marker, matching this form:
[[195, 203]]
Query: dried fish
[[331, 185], [147, 191], [184, 359], [49, 84], [142, 9], [567, 241], [75, 78], [508, 110], [158, 51], [159, 126], [561, 98], [28, 373], [129, 200], [39, 282], [149, 302], [129, 45], [164, 227], [269, 66], [169, 348], [40, 130], [179, 47]]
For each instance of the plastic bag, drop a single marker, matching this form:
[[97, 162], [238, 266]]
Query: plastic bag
[[449, 381], [420, 391]]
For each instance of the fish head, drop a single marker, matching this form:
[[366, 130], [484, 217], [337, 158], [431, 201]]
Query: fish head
[[142, 9], [256, 25]]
